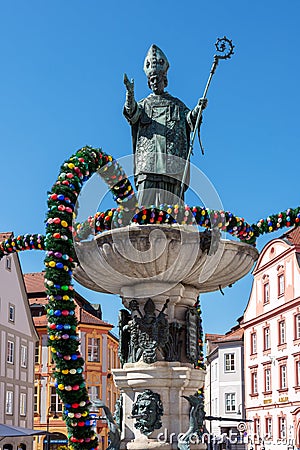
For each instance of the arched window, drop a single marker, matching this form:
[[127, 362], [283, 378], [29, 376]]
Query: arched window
[[7, 447], [21, 446]]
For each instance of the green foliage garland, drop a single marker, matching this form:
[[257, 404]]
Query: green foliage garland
[[59, 262]]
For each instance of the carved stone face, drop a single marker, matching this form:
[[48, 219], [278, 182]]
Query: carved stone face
[[156, 83], [148, 410]]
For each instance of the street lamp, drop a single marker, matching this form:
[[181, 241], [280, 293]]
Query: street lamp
[[55, 416]]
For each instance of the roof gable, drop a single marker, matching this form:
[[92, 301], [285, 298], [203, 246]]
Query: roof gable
[[272, 250], [12, 292]]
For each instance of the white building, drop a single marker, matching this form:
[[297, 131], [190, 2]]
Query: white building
[[224, 396], [17, 347], [272, 345]]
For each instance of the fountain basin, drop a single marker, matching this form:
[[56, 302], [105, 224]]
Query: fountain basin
[[160, 255]]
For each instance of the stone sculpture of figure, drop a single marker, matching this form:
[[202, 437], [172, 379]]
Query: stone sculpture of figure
[[161, 126], [197, 416], [114, 431], [118, 413], [142, 334], [147, 410], [129, 345]]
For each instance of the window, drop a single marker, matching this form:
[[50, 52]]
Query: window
[[267, 380], [297, 373], [116, 360], [230, 402], [256, 428], [283, 377], [93, 392], [11, 313], [253, 343], [109, 400], [297, 326], [23, 405], [254, 383], [8, 447], [269, 428], [8, 263], [216, 371], [10, 352], [9, 402], [37, 353], [282, 428], [266, 293], [282, 337], [214, 405], [109, 358], [36, 400], [93, 349], [23, 356], [267, 342], [229, 362], [55, 402], [280, 284]]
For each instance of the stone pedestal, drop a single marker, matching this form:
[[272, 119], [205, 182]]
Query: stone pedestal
[[171, 381], [162, 269]]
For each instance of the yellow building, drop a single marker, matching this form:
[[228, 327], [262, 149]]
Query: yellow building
[[99, 348]]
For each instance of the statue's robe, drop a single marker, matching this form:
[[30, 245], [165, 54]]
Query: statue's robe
[[161, 126]]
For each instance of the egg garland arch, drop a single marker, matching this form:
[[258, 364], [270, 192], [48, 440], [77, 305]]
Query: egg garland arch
[[60, 261]]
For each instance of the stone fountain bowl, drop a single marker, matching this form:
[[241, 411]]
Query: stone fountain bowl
[[160, 256]]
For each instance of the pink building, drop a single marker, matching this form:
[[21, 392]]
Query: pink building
[[272, 346]]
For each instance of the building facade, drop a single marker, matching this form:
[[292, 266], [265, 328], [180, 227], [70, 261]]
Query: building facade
[[18, 338], [272, 346], [99, 348], [224, 382]]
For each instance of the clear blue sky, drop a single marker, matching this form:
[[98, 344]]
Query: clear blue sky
[[61, 87]]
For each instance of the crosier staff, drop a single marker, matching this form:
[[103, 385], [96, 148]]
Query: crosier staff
[[225, 48]]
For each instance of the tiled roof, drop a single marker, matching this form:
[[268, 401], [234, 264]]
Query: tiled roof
[[40, 321], [213, 337], [293, 236], [34, 282], [89, 319], [233, 335], [38, 300], [5, 235], [84, 319]]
